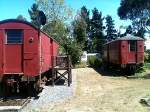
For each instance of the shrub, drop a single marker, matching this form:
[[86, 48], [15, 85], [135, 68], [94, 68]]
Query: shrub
[[93, 61], [147, 65], [140, 69], [74, 50], [81, 65], [147, 56], [143, 72]]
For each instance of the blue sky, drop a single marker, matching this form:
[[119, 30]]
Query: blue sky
[[12, 8], [105, 6]]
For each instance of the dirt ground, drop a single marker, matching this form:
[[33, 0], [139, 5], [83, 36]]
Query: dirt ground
[[97, 93]]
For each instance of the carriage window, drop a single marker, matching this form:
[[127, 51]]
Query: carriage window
[[132, 45], [14, 36]]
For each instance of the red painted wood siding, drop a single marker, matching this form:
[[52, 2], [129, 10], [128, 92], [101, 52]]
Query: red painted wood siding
[[114, 52], [124, 52], [55, 48], [46, 53], [1, 51], [12, 58], [25, 57], [31, 53], [140, 51]]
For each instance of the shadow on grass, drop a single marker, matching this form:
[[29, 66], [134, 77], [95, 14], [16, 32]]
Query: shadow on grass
[[118, 72], [114, 72]]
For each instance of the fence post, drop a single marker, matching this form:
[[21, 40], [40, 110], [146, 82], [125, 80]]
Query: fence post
[[53, 71], [69, 70]]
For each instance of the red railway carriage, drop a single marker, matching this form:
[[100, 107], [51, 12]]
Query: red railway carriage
[[24, 50], [126, 51]]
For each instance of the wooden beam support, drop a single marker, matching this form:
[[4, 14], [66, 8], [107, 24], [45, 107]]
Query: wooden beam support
[[61, 63]]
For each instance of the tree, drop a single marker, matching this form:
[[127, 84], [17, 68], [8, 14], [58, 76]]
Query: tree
[[129, 30], [57, 14], [136, 10], [71, 47], [33, 12], [96, 33], [110, 29], [79, 30], [57, 30], [140, 30], [140, 33], [85, 15], [20, 17], [74, 49], [55, 9]]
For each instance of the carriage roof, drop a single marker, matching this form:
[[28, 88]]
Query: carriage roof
[[128, 37]]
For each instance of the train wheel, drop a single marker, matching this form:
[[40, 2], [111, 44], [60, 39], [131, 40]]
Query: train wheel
[[31, 91], [105, 67], [130, 70], [5, 88]]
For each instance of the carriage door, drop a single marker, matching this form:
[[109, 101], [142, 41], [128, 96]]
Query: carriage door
[[30, 52], [13, 39], [132, 51]]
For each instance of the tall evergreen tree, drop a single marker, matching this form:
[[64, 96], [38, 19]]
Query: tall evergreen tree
[[110, 29], [33, 12], [85, 15], [96, 33], [79, 30]]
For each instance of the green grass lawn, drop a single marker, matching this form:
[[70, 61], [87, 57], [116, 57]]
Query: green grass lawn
[[143, 72], [147, 65]]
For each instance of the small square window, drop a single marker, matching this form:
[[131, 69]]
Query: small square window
[[132, 45], [14, 36]]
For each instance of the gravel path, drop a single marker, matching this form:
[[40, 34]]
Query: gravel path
[[50, 95], [97, 93]]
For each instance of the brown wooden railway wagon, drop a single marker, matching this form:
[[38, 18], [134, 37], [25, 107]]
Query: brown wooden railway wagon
[[126, 51]]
